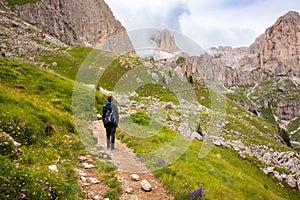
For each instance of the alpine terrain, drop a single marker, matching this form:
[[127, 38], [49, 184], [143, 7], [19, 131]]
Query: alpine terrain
[[223, 124]]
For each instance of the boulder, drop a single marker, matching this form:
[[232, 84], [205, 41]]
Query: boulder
[[145, 185], [135, 177]]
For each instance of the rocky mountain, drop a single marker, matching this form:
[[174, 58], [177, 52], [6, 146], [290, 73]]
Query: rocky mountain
[[72, 22], [164, 40], [263, 77], [276, 52]]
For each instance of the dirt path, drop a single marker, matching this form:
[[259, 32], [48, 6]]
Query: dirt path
[[128, 163]]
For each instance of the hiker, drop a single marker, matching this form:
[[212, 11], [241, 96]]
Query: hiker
[[110, 118]]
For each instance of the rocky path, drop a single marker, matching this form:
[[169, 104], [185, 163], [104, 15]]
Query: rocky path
[[128, 164]]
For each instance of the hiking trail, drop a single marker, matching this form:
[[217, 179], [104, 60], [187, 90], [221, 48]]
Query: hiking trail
[[127, 164]]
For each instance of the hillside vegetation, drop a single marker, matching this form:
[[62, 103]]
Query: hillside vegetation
[[36, 111], [222, 173]]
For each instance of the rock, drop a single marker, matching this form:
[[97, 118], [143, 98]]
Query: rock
[[155, 77], [267, 158], [135, 177], [146, 185], [164, 40], [53, 168], [77, 23], [83, 178], [268, 170], [278, 176], [85, 158], [134, 94], [97, 197], [7, 140], [54, 64], [242, 155], [291, 181], [23, 196], [94, 180], [88, 166], [128, 190]]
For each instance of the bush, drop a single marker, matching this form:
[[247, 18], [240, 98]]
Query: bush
[[141, 118], [180, 60]]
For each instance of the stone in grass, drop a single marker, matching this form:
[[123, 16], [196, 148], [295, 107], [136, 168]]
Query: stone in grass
[[97, 197], [94, 180], [54, 64], [146, 185], [88, 166], [83, 178], [53, 168], [135, 177]]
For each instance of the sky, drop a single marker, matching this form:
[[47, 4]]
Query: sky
[[210, 23]]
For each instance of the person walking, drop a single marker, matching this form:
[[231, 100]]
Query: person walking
[[110, 118]]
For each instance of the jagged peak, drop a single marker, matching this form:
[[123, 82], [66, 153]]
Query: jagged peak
[[290, 15]]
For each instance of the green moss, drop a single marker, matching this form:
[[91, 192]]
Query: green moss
[[20, 2]]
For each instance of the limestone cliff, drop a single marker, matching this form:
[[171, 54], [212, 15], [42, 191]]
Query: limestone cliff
[[280, 53], [276, 52], [74, 22], [164, 40]]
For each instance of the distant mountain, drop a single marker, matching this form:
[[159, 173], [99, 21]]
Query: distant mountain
[[267, 73]]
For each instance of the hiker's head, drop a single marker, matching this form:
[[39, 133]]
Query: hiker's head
[[110, 98]]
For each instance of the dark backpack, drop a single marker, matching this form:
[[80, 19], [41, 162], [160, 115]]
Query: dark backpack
[[110, 119]]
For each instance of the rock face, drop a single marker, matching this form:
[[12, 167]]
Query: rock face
[[164, 40], [275, 52], [21, 39], [280, 51], [74, 22]]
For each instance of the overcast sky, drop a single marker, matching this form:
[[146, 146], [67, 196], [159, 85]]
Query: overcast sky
[[208, 22]]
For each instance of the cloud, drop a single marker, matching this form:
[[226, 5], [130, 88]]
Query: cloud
[[209, 23], [157, 13]]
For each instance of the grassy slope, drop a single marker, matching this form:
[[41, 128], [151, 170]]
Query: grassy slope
[[32, 99], [223, 174], [67, 61], [273, 89]]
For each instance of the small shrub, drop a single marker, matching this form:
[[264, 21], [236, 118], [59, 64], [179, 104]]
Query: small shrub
[[141, 118], [180, 60], [285, 136]]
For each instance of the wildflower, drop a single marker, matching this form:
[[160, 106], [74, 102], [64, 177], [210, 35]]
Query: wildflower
[[197, 194]]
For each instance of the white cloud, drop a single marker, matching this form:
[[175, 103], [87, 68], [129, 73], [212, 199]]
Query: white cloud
[[209, 23]]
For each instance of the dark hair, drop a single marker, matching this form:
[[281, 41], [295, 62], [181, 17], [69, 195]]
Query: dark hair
[[110, 98]]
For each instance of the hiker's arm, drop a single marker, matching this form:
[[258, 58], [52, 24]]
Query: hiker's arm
[[103, 114]]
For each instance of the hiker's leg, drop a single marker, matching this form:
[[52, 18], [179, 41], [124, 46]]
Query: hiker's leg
[[113, 131], [108, 137]]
